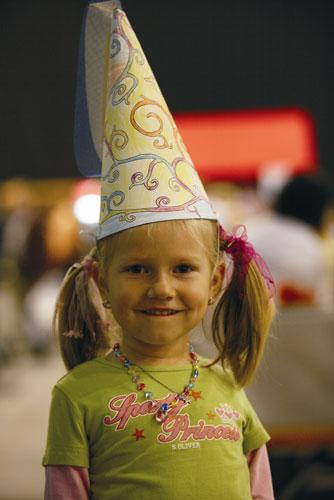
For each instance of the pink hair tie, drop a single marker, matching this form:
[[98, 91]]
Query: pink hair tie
[[87, 265], [73, 335], [237, 246]]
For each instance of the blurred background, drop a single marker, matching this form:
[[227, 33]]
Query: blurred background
[[250, 85]]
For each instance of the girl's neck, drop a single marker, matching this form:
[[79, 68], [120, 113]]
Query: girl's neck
[[154, 355]]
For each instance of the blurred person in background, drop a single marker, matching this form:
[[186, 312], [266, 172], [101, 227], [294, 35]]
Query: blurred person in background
[[290, 240], [60, 246], [39, 241], [21, 261]]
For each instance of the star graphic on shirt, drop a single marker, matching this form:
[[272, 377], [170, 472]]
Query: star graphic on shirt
[[210, 415], [138, 434], [196, 395]]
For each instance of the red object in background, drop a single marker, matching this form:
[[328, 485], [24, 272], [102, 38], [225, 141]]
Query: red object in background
[[292, 295], [236, 145]]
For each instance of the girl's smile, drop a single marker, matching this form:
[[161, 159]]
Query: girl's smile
[[158, 285], [160, 312]]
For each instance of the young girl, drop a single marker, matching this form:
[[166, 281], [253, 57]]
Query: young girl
[[141, 415], [150, 419]]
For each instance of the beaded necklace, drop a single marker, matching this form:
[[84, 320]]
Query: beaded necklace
[[162, 411]]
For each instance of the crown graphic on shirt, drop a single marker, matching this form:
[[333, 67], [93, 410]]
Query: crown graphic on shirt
[[227, 414]]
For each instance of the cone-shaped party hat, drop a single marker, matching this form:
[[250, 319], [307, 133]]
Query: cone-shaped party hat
[[125, 132]]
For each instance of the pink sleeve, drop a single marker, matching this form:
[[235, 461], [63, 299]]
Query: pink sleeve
[[260, 475], [66, 482]]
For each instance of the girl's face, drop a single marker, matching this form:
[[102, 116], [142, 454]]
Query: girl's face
[[159, 285]]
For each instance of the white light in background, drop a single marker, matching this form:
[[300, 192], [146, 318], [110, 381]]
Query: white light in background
[[87, 209]]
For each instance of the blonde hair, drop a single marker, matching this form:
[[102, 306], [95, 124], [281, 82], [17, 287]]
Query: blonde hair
[[239, 325], [79, 312]]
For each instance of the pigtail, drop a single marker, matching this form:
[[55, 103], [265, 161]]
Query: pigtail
[[243, 314], [80, 322]]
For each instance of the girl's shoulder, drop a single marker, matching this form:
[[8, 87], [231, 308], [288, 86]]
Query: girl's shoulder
[[85, 374], [222, 382], [217, 374]]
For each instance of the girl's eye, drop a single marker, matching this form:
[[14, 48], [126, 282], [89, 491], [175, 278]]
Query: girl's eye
[[137, 269], [183, 269]]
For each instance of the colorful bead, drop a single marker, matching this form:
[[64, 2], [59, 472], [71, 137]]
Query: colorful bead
[[132, 371], [196, 373], [190, 385], [140, 387], [135, 378], [116, 346], [174, 403], [164, 407], [181, 397], [161, 415], [186, 390], [148, 395]]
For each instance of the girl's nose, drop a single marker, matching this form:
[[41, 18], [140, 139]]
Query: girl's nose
[[161, 288]]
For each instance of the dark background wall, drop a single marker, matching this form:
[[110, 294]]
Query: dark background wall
[[205, 55]]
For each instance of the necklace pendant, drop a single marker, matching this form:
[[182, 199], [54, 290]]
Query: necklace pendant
[[154, 404], [161, 415]]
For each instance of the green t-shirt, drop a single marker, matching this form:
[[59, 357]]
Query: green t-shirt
[[99, 420]]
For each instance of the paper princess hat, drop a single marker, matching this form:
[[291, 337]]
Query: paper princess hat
[[125, 133]]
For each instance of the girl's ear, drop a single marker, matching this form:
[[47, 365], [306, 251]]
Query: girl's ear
[[217, 279]]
